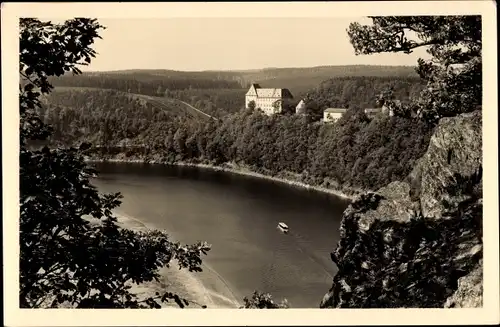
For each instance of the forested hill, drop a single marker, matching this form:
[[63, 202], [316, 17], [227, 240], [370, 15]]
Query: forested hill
[[355, 153], [299, 80], [154, 82], [345, 92], [221, 92], [104, 117], [144, 82], [313, 75]]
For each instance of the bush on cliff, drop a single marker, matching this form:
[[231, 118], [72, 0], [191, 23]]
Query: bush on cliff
[[404, 264], [260, 300], [408, 244]]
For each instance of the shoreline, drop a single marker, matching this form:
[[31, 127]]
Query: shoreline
[[182, 282], [234, 169], [194, 285]]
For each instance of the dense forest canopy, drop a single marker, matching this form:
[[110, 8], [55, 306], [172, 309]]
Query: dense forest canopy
[[142, 83], [215, 102], [355, 153], [104, 116], [360, 92]]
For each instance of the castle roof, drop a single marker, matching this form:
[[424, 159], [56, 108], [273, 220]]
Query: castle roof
[[301, 104], [255, 89], [269, 93]]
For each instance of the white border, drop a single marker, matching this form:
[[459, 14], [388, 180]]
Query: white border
[[66, 317]]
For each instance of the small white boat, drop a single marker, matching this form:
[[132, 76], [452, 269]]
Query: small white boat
[[283, 227]]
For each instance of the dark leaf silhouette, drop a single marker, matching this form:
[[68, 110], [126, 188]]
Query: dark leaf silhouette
[[72, 252]]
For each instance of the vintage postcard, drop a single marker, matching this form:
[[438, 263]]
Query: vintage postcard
[[201, 162]]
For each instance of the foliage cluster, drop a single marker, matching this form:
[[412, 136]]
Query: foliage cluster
[[72, 250]]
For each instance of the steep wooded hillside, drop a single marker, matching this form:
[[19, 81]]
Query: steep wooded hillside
[[105, 117], [356, 153]]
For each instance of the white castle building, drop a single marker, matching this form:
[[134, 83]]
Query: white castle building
[[270, 101]]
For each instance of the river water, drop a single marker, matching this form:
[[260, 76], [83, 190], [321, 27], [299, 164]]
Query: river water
[[238, 216]]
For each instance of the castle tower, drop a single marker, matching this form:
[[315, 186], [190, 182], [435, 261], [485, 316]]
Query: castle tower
[[300, 109]]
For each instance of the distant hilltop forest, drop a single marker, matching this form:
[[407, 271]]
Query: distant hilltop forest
[[221, 92], [295, 79]]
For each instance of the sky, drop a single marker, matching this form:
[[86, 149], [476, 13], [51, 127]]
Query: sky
[[196, 44]]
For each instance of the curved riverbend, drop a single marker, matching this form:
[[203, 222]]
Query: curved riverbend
[[238, 215]]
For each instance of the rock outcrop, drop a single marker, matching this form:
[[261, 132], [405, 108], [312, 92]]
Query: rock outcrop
[[418, 243], [470, 290]]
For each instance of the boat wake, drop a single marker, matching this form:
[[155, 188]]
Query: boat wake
[[302, 246]]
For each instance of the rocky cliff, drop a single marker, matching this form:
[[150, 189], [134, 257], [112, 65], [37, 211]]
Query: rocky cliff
[[418, 242]]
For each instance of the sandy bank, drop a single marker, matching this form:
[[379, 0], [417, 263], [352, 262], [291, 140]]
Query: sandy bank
[[182, 282]]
